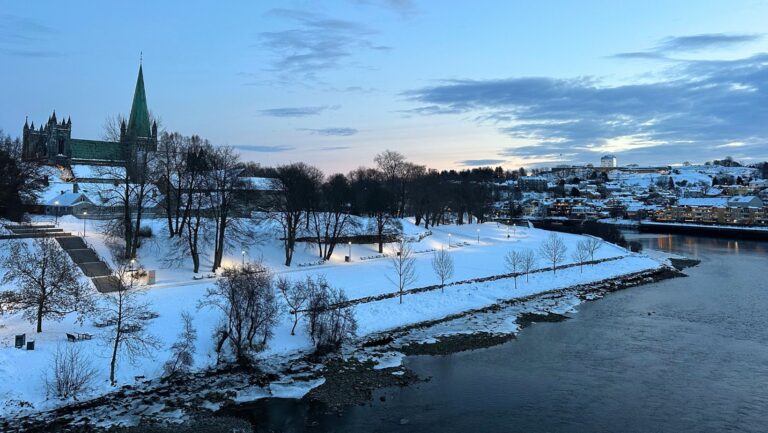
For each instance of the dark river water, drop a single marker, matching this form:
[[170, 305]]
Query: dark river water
[[682, 355]]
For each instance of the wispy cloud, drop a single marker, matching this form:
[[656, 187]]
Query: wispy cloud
[[263, 148], [316, 43], [25, 37], [692, 43], [479, 162], [405, 8], [697, 107], [328, 148], [297, 111], [339, 132], [705, 41]]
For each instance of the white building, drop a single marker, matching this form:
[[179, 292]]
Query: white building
[[608, 161]]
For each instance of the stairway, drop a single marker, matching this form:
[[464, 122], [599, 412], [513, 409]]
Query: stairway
[[89, 262], [80, 253], [29, 231]]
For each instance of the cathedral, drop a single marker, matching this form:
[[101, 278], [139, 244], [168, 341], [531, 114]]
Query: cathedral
[[52, 142]]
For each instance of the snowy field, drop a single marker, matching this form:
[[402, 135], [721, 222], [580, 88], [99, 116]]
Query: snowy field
[[176, 291]]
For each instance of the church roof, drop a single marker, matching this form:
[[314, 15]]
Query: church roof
[[96, 150], [138, 122]]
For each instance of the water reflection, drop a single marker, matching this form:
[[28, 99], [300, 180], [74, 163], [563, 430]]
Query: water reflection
[[693, 246], [686, 354]]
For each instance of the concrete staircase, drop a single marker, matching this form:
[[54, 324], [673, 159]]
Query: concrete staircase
[[83, 256], [89, 262], [29, 231]]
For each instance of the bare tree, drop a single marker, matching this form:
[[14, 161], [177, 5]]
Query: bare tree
[[529, 263], [336, 324], [183, 350], [296, 294], [125, 317], [72, 372], [222, 184], [403, 266], [246, 297], [592, 245], [442, 264], [174, 179], [331, 219], [581, 254], [553, 250], [49, 285], [514, 262], [331, 320], [130, 194], [298, 186]]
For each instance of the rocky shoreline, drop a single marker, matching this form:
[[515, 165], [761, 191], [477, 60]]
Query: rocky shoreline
[[206, 401]]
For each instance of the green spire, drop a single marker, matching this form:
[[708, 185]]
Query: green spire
[[138, 123]]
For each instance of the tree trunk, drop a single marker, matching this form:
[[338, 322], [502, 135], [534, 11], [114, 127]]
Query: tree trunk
[[40, 316]]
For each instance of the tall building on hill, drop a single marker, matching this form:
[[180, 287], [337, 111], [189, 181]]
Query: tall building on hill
[[608, 161], [52, 142]]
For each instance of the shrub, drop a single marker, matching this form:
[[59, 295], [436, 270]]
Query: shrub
[[145, 232], [72, 373]]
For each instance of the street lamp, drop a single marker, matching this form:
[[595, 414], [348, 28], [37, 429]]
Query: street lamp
[[56, 210], [85, 212], [478, 236], [243, 253], [133, 273], [507, 232], [350, 250], [449, 241]]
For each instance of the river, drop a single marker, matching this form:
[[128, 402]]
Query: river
[[681, 355]]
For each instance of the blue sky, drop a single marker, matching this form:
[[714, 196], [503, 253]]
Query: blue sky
[[447, 83]]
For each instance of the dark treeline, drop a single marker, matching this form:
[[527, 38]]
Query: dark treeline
[[205, 187]]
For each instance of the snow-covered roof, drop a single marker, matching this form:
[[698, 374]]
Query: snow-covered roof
[[261, 183], [742, 198], [714, 191], [83, 171], [704, 202], [68, 199]]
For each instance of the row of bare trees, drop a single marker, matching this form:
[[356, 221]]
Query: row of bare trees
[[553, 251]]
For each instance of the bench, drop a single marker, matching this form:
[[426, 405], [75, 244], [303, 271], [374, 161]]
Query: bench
[[72, 338]]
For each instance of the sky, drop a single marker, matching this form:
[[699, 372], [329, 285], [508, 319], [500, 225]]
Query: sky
[[449, 84]]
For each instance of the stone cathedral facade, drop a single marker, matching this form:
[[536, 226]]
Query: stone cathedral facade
[[52, 143]]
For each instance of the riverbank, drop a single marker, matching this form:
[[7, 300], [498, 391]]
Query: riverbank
[[713, 230], [376, 360]]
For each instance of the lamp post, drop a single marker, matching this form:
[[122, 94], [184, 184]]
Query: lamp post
[[449, 241], [243, 254], [133, 273], [478, 236], [85, 212], [350, 250], [507, 232], [56, 210]]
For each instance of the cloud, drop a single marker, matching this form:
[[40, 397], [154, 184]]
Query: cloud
[[263, 149], [705, 41], [297, 111], [479, 162], [327, 148], [316, 43], [697, 106], [405, 8], [691, 43], [24, 37], [339, 132]]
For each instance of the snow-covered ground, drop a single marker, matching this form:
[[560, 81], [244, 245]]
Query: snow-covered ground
[[176, 291]]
